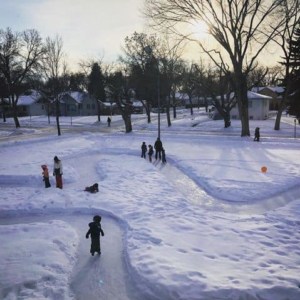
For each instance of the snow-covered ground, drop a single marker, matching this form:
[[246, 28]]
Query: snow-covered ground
[[207, 225]]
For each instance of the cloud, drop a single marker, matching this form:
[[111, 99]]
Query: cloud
[[88, 28]]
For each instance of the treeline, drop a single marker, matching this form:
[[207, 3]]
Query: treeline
[[152, 69]]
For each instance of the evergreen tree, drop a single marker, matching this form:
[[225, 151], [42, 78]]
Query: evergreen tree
[[294, 107], [96, 86]]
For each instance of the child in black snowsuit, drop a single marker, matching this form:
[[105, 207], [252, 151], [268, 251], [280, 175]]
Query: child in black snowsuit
[[144, 150], [150, 152], [256, 134], [92, 189], [94, 231]]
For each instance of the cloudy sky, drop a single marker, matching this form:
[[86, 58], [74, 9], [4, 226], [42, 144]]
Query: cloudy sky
[[89, 28]]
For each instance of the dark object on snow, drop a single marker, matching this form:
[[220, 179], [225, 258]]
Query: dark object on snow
[[256, 134], [108, 121], [163, 156], [92, 189], [144, 150], [158, 147], [150, 152], [94, 231]]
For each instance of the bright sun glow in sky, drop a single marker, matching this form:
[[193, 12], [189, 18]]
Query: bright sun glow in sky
[[199, 29], [93, 29]]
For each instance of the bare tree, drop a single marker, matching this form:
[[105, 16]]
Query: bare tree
[[119, 92], [142, 66], [284, 39], [20, 55], [170, 53], [55, 71], [242, 28]]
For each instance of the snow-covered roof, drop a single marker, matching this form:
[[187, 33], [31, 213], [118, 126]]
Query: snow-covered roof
[[26, 100], [182, 96], [275, 89], [108, 104], [253, 95], [137, 104], [77, 96]]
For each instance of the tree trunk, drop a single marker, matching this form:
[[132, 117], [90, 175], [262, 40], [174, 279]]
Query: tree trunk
[[127, 121], [148, 111], [126, 115], [15, 115], [128, 125], [174, 105], [242, 100], [168, 116], [227, 122], [57, 117], [98, 110], [168, 112], [279, 114], [4, 116]]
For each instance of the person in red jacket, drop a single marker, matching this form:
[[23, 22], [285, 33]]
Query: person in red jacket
[[46, 176]]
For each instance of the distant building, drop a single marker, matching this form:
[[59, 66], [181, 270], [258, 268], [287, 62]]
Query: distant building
[[77, 104], [182, 99], [258, 107], [275, 92], [31, 104]]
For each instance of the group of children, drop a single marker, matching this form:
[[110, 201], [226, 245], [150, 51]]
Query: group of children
[[57, 172], [94, 227], [159, 151]]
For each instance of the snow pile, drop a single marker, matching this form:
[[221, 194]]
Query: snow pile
[[38, 260]]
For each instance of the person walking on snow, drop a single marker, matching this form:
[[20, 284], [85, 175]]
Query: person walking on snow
[[108, 121], [150, 152], [256, 134], [58, 172], [46, 176], [95, 231], [144, 150], [158, 146]]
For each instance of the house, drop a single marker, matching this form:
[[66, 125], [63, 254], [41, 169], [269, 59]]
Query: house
[[275, 92], [77, 104], [258, 107], [137, 107], [109, 108], [196, 101], [31, 104]]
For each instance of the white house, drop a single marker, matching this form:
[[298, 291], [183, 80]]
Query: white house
[[258, 107], [275, 92], [77, 103], [31, 104]]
